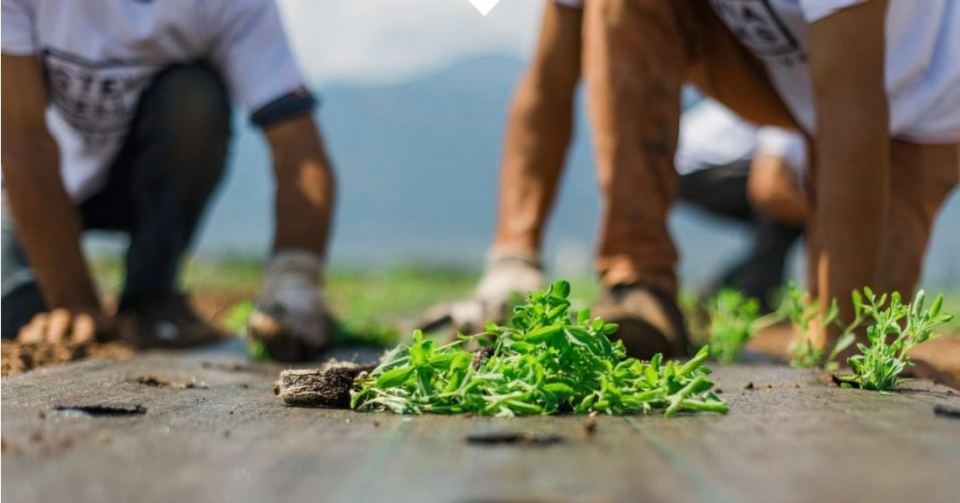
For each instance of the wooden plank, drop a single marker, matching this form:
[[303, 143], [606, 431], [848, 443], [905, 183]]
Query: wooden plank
[[430, 460], [790, 439], [228, 438], [230, 441]]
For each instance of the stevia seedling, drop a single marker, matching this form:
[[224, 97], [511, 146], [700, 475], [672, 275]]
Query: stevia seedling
[[545, 361], [894, 329], [804, 311], [734, 319]]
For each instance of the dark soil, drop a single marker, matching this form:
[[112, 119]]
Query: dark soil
[[590, 425], [328, 386], [20, 356], [150, 380], [842, 380], [228, 366], [480, 356]]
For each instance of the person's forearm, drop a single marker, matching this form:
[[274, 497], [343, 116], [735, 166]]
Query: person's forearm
[[774, 191], [537, 136], [47, 222], [305, 187]]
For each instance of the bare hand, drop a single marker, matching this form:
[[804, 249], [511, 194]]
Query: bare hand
[[62, 326]]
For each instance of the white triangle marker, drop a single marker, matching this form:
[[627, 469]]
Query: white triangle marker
[[484, 6]]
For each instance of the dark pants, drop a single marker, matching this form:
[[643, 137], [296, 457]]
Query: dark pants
[[158, 187], [722, 191]]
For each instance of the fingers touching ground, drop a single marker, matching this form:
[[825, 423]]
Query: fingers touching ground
[[59, 326]]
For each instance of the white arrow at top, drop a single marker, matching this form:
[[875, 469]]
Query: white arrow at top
[[484, 6]]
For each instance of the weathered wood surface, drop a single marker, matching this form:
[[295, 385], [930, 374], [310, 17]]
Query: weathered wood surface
[[229, 438]]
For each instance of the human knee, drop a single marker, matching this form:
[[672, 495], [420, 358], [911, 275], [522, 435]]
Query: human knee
[[192, 109]]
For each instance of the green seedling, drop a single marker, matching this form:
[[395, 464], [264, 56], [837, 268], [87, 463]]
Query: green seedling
[[804, 312], [894, 329], [734, 319], [732, 316], [545, 361]]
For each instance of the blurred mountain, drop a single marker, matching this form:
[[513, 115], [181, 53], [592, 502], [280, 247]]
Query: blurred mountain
[[417, 181]]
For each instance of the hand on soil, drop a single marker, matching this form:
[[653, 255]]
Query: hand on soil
[[65, 326]]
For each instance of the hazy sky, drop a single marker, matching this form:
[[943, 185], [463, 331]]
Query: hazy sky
[[387, 41]]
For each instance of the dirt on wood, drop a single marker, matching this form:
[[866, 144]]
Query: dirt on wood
[[20, 356], [590, 425], [328, 386], [157, 382]]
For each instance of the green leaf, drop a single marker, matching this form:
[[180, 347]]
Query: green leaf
[[559, 387], [394, 377], [561, 288]]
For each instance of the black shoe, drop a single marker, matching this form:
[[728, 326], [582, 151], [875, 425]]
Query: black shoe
[[168, 321]]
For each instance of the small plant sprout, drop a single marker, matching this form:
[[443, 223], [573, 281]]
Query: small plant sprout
[[805, 312], [893, 329], [544, 362], [734, 319]]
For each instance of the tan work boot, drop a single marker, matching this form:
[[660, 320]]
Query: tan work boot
[[650, 321]]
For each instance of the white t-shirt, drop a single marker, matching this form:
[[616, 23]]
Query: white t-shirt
[[711, 135], [922, 58], [99, 56]]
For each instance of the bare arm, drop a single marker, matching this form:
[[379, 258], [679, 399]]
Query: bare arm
[[852, 148], [538, 132], [304, 186], [47, 222], [774, 190]]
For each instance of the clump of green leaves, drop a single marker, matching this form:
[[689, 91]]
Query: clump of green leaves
[[544, 362], [804, 311], [894, 329], [733, 319]]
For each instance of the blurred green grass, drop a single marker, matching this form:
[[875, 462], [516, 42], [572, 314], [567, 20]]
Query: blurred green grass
[[370, 303]]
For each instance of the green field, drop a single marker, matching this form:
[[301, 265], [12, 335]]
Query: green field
[[371, 303]]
